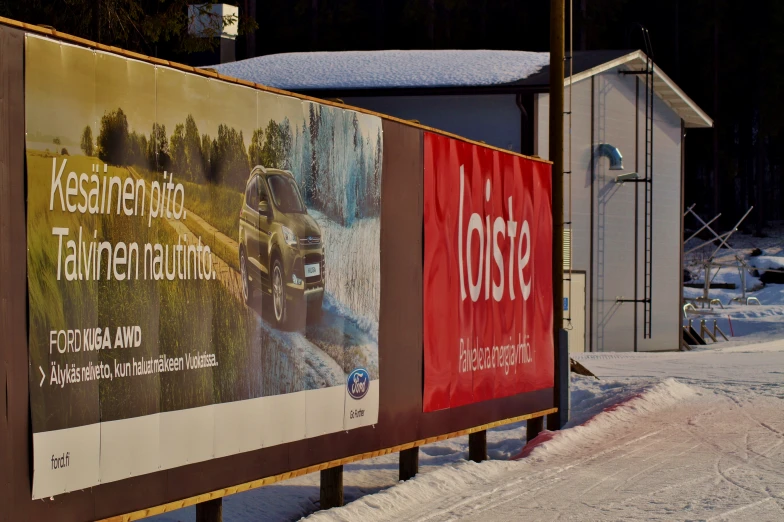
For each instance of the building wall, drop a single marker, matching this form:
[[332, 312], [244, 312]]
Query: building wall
[[619, 119], [492, 118]]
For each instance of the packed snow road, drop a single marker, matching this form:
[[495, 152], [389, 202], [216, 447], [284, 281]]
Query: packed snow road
[[711, 449], [672, 452]]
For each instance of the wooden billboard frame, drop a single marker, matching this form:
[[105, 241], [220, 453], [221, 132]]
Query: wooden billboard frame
[[247, 486], [125, 497]]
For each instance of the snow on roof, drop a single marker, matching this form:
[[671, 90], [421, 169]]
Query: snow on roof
[[386, 69]]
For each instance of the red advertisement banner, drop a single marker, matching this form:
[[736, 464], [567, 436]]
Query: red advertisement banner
[[487, 275]]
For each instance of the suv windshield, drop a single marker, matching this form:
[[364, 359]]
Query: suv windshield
[[285, 194]]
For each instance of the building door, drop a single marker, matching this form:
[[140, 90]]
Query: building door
[[574, 311]]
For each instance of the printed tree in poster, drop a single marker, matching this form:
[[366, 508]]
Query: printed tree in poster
[[87, 141], [195, 164], [113, 138], [158, 148]]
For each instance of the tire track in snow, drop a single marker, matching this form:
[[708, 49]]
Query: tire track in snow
[[552, 477]]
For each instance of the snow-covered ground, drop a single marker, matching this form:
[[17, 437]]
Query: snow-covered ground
[[690, 435]]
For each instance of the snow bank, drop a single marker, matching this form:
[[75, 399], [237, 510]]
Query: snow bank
[[427, 489], [652, 400], [762, 262], [384, 69], [730, 275]]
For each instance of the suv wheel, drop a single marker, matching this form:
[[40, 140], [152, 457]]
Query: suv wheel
[[247, 289], [279, 293]]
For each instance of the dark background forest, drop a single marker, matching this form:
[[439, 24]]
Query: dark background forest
[[724, 54]]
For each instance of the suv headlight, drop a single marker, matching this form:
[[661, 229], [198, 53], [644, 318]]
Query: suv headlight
[[288, 236]]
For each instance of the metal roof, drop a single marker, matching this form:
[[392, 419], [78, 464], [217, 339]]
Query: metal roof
[[299, 66]]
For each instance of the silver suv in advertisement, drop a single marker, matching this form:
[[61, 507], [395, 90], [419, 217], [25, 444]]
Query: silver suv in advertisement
[[281, 249]]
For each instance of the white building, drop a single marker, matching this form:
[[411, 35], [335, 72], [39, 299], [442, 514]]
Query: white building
[[628, 262]]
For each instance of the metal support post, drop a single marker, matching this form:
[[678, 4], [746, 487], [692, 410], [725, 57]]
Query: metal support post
[[743, 282], [708, 271]]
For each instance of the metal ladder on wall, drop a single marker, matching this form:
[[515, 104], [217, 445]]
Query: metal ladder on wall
[[648, 232], [647, 180]]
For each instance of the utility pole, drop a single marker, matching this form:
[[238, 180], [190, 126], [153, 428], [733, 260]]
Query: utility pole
[[557, 18]]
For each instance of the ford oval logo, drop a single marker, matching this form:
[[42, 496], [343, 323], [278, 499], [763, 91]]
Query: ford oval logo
[[358, 383]]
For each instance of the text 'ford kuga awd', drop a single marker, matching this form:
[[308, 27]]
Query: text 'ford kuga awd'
[[281, 251]]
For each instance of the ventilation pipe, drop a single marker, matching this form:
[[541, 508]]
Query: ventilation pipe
[[612, 153]]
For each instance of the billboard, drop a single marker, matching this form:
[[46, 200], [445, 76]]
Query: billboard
[[488, 309], [203, 267]]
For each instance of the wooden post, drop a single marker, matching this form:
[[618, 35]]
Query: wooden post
[[533, 427], [332, 487], [477, 446], [409, 463], [210, 511]]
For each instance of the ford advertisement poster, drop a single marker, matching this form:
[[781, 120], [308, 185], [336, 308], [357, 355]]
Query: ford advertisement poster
[[203, 267]]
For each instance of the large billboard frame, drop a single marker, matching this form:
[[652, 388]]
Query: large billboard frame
[[405, 424]]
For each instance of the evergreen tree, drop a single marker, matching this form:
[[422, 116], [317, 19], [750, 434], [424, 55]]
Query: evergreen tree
[[304, 166], [179, 161], [158, 148], [313, 167], [87, 141], [137, 154], [155, 28], [113, 138], [255, 149], [206, 148], [229, 162], [272, 150], [193, 151], [377, 164], [285, 140]]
